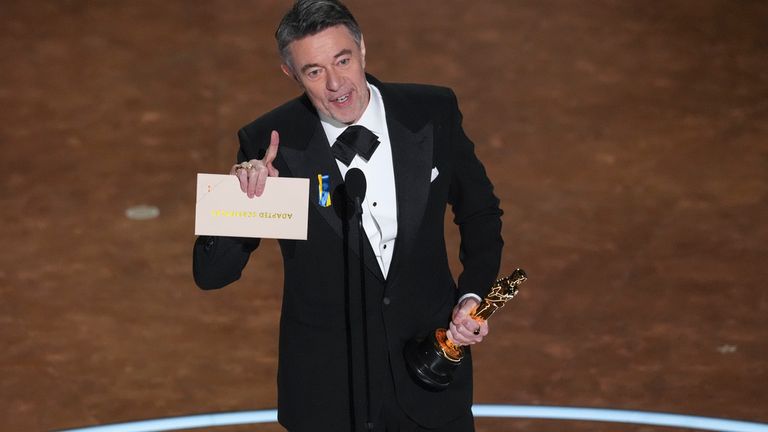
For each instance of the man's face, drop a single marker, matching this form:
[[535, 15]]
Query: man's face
[[330, 67]]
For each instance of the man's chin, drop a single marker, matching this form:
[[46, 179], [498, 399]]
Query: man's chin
[[345, 119]]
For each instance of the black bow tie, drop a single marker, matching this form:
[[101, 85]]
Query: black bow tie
[[354, 140]]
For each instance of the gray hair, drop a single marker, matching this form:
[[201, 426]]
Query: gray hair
[[309, 17]]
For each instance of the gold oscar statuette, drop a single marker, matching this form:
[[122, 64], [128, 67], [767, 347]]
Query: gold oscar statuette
[[433, 360]]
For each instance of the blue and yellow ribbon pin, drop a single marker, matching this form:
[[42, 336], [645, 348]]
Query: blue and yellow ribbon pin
[[323, 189]]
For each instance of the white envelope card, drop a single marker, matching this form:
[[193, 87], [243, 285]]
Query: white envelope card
[[222, 209]]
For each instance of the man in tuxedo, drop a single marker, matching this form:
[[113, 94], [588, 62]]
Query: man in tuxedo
[[409, 142]]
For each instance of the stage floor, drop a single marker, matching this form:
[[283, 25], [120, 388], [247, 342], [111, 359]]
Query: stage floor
[[628, 142]]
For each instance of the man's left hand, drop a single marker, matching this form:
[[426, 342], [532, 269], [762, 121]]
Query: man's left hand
[[463, 329]]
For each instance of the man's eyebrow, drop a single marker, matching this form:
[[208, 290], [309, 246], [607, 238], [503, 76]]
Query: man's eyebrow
[[308, 66], [345, 51]]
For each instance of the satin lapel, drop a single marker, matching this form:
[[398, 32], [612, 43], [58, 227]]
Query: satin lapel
[[316, 159], [412, 160]]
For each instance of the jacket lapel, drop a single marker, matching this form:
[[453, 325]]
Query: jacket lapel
[[411, 137], [412, 160], [314, 160]]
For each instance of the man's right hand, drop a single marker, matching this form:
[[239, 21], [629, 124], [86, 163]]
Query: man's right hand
[[253, 174]]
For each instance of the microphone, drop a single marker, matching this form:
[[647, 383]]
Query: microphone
[[356, 186]]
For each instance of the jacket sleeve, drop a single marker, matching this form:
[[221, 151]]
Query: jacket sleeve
[[219, 261], [476, 212]]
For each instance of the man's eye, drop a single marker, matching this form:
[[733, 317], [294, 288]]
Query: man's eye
[[313, 73], [344, 62]]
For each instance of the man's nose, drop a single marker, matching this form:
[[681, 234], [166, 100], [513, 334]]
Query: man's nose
[[333, 81]]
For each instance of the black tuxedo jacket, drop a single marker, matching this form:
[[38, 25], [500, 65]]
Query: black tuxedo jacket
[[320, 374]]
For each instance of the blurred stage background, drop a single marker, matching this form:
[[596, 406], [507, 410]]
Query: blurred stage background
[[628, 141]]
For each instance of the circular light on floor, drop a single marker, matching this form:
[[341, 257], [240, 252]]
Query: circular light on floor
[[503, 411]]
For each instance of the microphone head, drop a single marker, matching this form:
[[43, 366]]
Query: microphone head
[[355, 184]]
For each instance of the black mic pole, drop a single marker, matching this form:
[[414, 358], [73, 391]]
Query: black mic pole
[[361, 248], [356, 187]]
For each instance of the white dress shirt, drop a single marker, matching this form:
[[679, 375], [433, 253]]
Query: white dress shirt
[[380, 203]]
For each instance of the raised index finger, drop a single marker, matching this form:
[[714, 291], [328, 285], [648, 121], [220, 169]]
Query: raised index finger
[[274, 142]]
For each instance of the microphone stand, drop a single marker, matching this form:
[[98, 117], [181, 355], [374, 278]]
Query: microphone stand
[[364, 303]]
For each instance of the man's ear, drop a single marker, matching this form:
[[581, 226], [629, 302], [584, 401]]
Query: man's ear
[[362, 50], [289, 72]]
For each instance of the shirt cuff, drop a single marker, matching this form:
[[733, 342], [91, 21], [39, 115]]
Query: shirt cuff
[[470, 295]]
